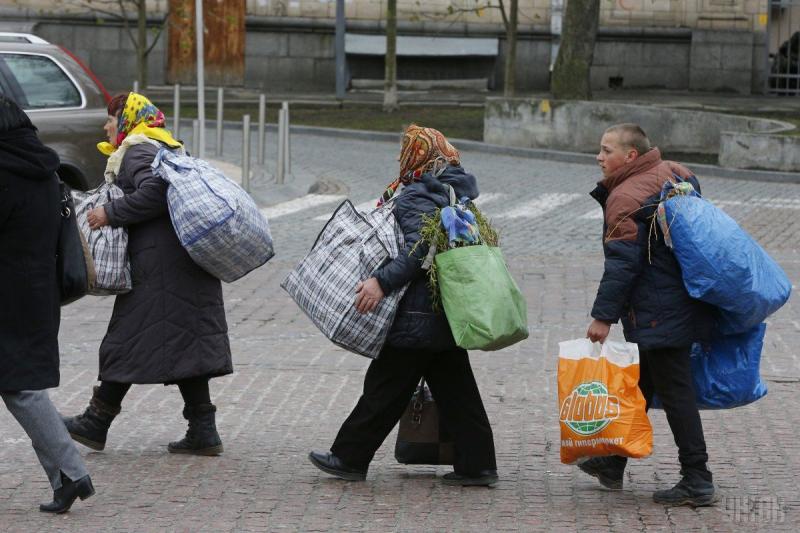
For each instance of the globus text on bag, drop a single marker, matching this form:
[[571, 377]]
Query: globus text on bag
[[589, 408]]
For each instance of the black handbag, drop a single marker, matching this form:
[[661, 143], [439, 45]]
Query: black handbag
[[422, 438], [74, 265]]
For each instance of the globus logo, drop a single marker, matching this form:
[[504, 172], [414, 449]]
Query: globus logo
[[589, 409]]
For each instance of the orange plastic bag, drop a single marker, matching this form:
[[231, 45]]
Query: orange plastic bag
[[601, 408]]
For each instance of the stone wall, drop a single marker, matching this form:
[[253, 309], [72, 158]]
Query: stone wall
[[747, 15], [760, 151], [578, 126], [290, 43]]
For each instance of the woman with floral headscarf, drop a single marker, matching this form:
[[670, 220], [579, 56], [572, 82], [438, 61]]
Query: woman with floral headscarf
[[170, 328], [420, 342]]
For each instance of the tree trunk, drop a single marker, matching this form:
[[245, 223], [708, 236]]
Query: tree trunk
[[181, 47], [141, 43], [510, 82], [224, 53], [571, 73], [390, 81]]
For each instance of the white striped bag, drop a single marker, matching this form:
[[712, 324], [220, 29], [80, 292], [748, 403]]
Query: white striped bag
[[108, 246], [349, 249]]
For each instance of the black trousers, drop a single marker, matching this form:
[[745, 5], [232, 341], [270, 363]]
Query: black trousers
[[667, 372], [194, 391], [388, 386]]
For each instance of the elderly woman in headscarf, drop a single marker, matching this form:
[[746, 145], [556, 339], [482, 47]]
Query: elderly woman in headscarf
[[420, 342], [30, 220], [170, 328]]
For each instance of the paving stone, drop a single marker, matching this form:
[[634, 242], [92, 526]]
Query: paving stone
[[292, 389]]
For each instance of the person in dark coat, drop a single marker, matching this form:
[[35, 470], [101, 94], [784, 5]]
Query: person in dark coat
[[170, 328], [420, 342], [642, 286], [30, 220]]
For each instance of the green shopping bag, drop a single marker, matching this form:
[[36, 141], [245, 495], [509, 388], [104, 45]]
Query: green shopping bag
[[484, 307]]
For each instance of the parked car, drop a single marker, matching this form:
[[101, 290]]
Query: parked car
[[64, 99]]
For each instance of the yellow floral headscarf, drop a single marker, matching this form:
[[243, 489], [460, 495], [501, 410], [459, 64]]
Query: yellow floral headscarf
[[139, 116]]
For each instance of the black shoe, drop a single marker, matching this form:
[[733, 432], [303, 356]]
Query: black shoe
[[201, 437], [91, 427], [70, 491], [330, 464], [694, 491], [484, 478], [608, 471]]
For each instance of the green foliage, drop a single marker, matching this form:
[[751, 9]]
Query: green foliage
[[431, 232]]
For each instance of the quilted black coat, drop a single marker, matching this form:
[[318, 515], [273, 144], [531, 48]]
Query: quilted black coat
[[416, 324], [29, 224], [642, 282], [171, 326]]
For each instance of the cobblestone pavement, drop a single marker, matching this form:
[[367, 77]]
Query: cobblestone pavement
[[292, 388]]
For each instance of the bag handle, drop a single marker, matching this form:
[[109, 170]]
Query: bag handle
[[426, 264], [418, 403], [374, 229]]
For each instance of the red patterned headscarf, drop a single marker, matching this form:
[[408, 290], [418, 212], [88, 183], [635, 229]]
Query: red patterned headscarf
[[423, 150]]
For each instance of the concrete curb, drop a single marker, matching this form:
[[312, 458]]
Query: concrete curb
[[551, 155], [531, 153]]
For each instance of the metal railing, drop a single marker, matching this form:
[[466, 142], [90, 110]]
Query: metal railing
[[783, 47]]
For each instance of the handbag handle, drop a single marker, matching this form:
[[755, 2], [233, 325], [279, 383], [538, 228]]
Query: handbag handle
[[418, 403]]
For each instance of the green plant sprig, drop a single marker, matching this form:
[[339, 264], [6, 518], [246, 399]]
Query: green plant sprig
[[431, 231]]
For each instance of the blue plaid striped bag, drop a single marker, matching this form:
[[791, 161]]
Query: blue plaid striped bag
[[216, 221], [349, 249]]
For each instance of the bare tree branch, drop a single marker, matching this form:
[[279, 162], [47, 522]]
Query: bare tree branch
[[158, 34], [92, 7], [126, 25], [503, 13]]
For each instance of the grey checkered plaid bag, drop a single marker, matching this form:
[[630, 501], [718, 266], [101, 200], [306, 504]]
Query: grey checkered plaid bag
[[217, 222], [108, 246], [349, 249]]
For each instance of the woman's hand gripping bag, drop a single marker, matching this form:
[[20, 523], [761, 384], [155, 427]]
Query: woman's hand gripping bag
[[601, 408]]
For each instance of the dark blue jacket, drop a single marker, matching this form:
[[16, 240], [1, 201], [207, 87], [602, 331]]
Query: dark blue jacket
[[642, 283], [416, 324]]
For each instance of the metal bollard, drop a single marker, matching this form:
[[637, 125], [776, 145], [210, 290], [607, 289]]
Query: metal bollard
[[280, 165], [262, 119], [136, 86], [196, 138], [246, 153], [220, 105], [287, 156], [176, 111]]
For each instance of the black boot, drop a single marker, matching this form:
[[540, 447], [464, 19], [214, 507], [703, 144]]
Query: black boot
[[91, 428], [201, 437], [694, 488], [609, 471], [70, 491]]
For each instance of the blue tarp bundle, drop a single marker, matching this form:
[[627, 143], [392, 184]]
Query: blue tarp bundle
[[726, 371], [721, 264]]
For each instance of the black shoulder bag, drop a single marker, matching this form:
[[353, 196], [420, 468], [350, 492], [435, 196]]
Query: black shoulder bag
[[74, 265]]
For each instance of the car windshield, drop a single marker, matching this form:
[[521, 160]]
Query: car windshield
[[43, 82]]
